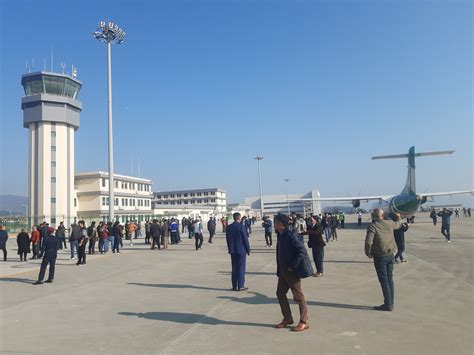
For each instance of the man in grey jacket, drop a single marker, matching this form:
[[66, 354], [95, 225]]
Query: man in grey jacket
[[380, 245]]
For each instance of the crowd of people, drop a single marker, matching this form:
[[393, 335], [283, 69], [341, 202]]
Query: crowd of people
[[384, 243]]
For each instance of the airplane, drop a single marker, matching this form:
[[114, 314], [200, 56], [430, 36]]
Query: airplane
[[408, 201]]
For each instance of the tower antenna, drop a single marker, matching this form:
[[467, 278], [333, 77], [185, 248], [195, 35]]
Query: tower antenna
[[52, 57]]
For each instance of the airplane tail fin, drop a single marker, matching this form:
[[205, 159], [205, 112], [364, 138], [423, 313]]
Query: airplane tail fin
[[410, 185]]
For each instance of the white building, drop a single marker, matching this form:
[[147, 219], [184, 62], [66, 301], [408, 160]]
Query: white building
[[51, 113], [132, 196], [244, 210], [175, 211], [212, 197], [274, 204]]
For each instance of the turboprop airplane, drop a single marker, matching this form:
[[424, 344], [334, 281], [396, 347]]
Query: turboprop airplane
[[408, 201]]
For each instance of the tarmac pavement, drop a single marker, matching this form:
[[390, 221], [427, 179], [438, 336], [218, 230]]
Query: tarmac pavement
[[178, 301]]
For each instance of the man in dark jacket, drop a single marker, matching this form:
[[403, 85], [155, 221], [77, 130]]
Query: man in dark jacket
[[74, 239], [61, 234], [50, 251], [23, 242], [3, 241], [316, 243], [155, 234], [290, 254], [268, 225], [445, 215], [238, 247], [211, 227]]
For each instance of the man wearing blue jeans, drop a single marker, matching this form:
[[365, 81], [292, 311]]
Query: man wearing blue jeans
[[74, 239], [380, 245]]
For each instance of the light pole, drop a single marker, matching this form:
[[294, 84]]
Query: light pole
[[258, 158], [287, 201], [108, 34]]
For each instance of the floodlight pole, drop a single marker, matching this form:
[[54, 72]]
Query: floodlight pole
[[287, 201], [108, 34], [258, 158]]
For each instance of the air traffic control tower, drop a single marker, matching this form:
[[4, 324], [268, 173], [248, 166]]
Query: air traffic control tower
[[51, 113]]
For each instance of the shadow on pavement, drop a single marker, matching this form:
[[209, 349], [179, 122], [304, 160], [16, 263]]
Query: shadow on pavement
[[250, 273], [348, 261], [190, 318], [16, 279], [260, 298], [179, 286]]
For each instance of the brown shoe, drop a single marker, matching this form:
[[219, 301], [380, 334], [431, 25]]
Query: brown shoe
[[300, 327], [283, 324]]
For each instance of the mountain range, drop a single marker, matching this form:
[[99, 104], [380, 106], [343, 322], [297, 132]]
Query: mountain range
[[12, 204]]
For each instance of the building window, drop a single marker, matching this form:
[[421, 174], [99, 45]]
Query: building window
[[116, 184], [53, 164], [107, 201], [165, 196], [53, 199], [213, 193], [185, 202], [158, 197], [53, 148], [199, 194], [185, 195], [213, 200], [53, 220], [206, 193], [103, 182], [122, 185], [53, 180], [53, 133], [75, 202], [178, 195], [116, 201], [192, 194], [103, 201], [206, 200]]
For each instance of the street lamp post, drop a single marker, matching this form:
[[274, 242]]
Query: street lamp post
[[287, 201], [258, 158], [110, 33]]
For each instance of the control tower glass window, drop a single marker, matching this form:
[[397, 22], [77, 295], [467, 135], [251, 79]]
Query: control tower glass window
[[50, 84]]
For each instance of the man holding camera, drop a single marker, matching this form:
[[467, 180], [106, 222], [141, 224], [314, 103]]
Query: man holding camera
[[380, 245]]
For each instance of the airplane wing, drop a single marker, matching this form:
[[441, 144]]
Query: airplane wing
[[449, 193], [345, 199]]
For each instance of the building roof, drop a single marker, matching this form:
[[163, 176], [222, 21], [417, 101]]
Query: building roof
[[215, 189], [101, 174]]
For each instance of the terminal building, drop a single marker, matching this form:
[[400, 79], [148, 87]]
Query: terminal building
[[213, 198], [274, 204], [132, 196]]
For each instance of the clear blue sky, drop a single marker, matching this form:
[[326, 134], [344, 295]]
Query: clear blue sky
[[202, 87]]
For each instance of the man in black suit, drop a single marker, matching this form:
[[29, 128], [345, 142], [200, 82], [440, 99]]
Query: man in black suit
[[238, 247], [155, 233], [50, 252]]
